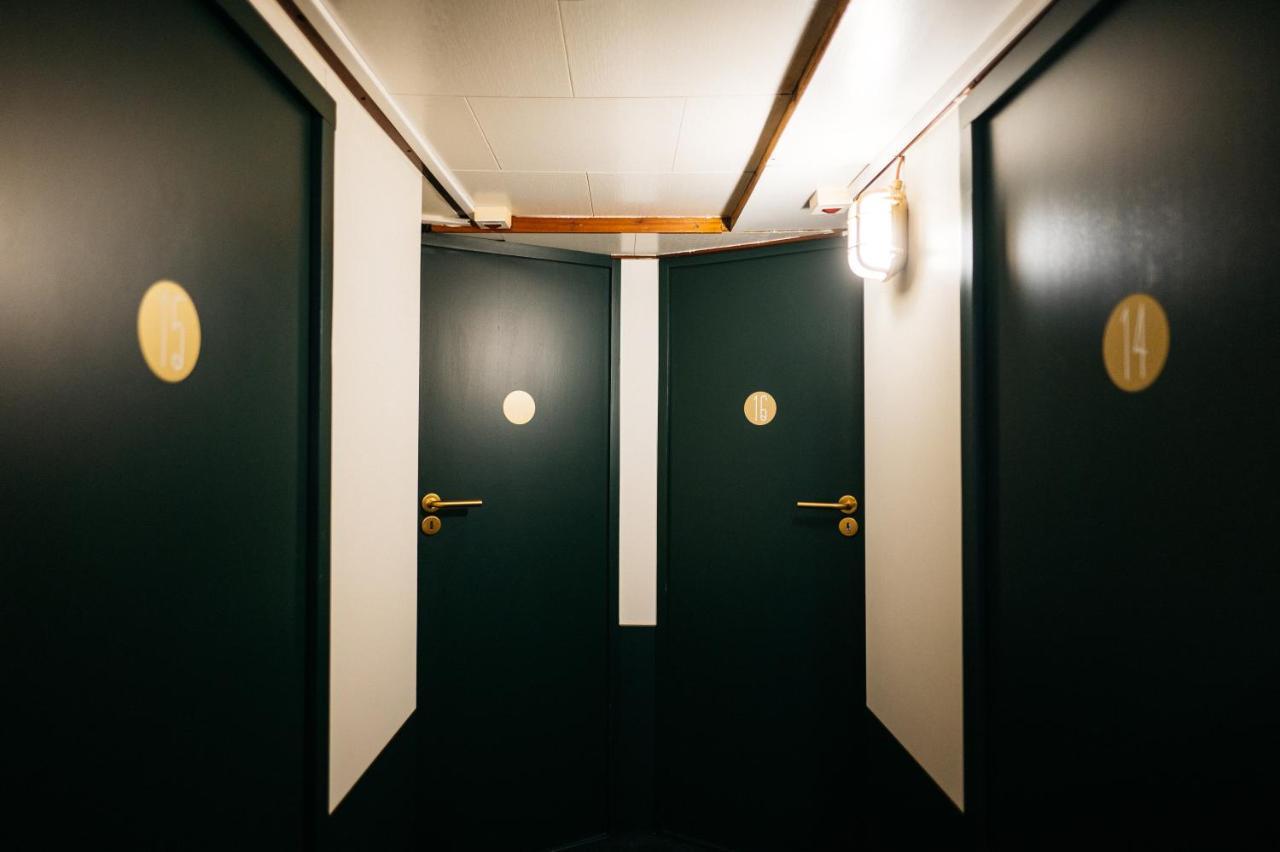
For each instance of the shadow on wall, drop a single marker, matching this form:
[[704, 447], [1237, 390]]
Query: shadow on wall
[[906, 810]]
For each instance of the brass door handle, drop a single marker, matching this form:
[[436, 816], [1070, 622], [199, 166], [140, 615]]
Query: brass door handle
[[433, 503], [848, 504]]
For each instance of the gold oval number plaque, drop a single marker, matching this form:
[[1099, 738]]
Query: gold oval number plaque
[[169, 331], [1135, 342], [760, 408]]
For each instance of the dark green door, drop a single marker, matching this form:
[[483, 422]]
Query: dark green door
[[153, 534], [513, 595], [1132, 575], [760, 660]]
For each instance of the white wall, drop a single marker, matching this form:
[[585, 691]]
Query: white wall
[[374, 512], [913, 494], [638, 444]]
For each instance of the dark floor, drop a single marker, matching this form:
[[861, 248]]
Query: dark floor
[[641, 843]]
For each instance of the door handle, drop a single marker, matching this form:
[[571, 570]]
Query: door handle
[[847, 504], [433, 503]]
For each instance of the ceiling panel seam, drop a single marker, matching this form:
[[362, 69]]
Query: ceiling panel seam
[[679, 134], [483, 134], [564, 48]]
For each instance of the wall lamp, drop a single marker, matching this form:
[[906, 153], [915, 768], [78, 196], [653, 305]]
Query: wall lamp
[[878, 232]]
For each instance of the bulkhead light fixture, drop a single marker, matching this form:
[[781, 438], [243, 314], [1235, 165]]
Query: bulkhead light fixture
[[878, 232]]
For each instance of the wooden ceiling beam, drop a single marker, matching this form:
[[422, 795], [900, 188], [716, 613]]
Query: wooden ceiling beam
[[595, 225]]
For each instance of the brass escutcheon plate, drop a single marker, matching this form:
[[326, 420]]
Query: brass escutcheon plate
[[431, 525], [848, 526]]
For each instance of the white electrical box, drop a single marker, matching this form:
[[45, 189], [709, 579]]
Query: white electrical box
[[829, 200], [494, 217]]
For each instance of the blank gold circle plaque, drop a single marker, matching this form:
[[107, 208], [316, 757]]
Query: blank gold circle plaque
[[1135, 342], [169, 331], [760, 408], [518, 407]]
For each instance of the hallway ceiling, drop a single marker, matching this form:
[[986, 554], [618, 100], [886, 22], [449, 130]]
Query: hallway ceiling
[[663, 107], [590, 107]]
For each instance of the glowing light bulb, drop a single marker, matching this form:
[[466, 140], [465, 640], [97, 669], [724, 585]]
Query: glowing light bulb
[[878, 233]]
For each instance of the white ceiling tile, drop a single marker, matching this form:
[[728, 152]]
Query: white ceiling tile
[[448, 124], [885, 61], [581, 134], [665, 194], [721, 134], [450, 47], [623, 48], [531, 193]]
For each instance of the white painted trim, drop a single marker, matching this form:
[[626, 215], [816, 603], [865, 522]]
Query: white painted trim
[[430, 219], [638, 444], [329, 28], [373, 560], [913, 575]]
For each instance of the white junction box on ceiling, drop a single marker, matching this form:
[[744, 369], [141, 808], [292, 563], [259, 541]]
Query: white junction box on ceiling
[[829, 200], [495, 217]]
